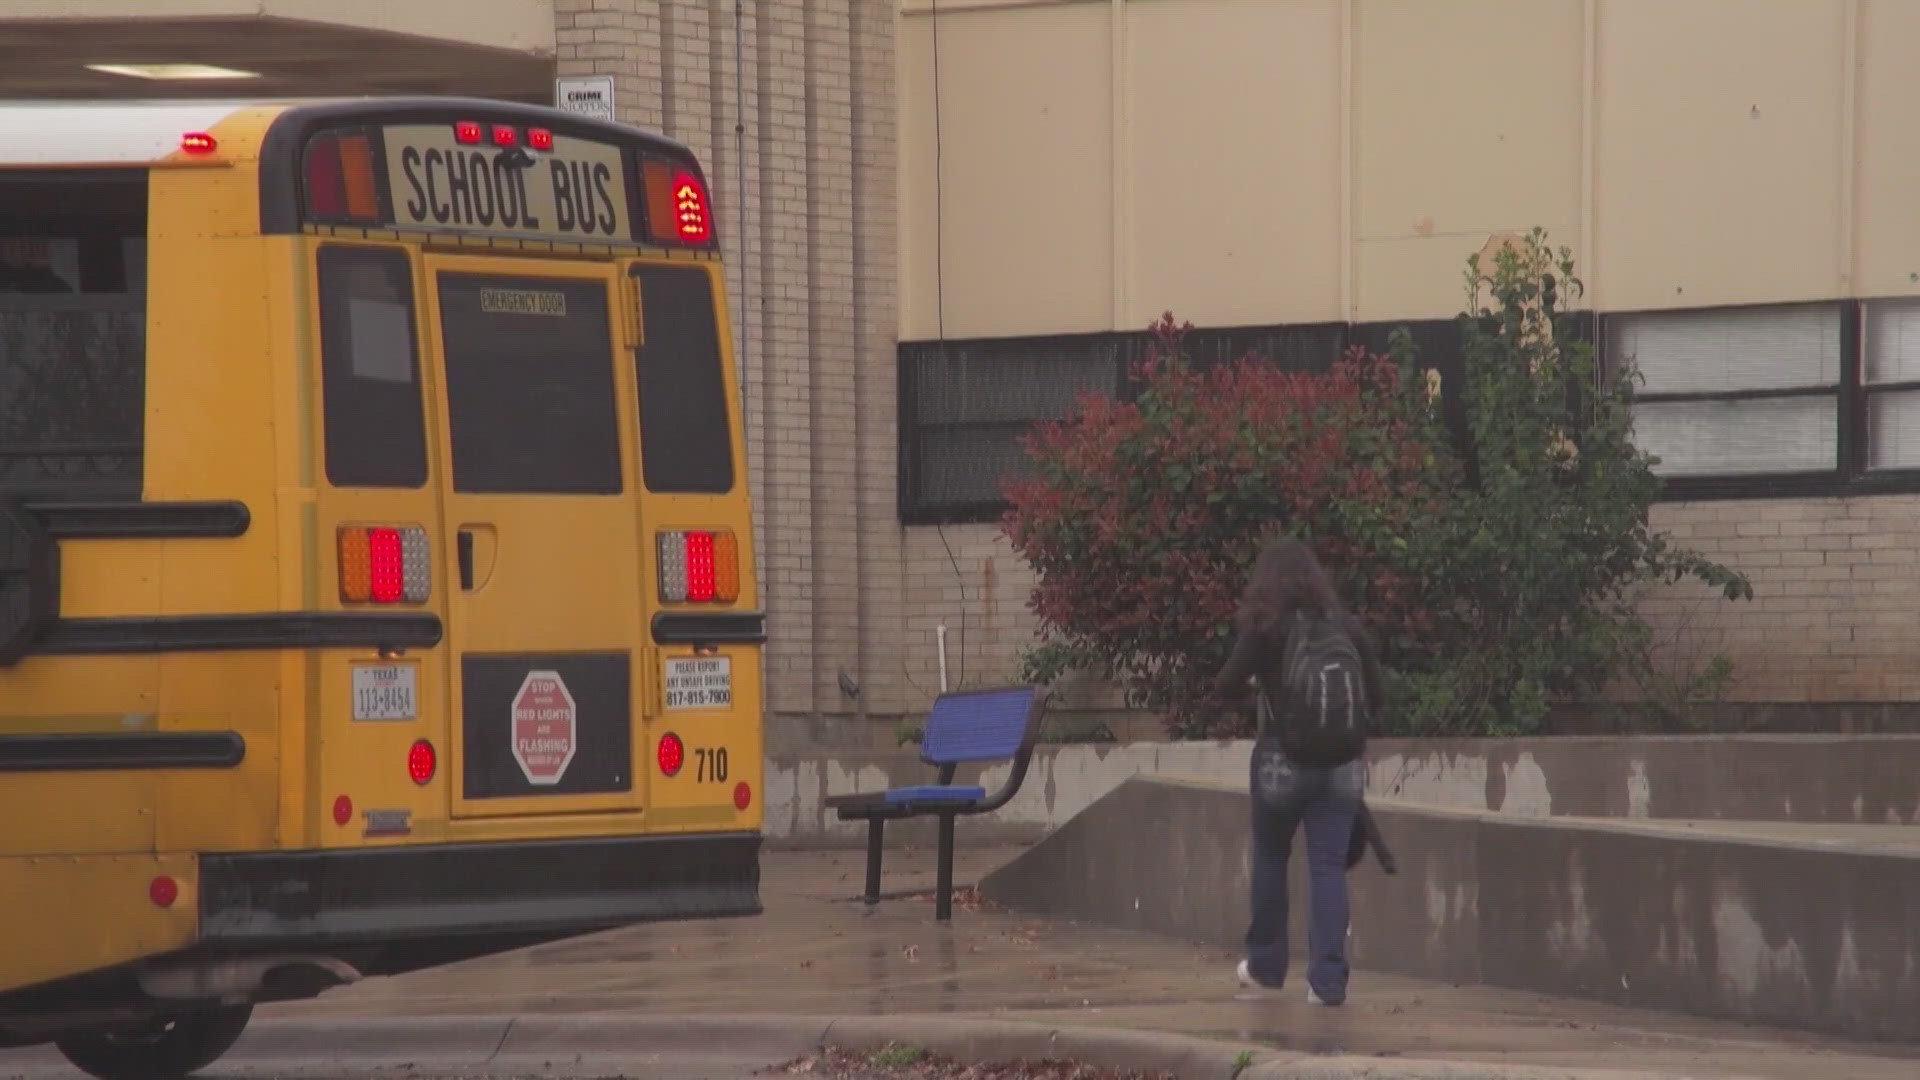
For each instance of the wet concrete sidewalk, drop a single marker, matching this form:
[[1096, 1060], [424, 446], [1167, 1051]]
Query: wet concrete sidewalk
[[818, 951]]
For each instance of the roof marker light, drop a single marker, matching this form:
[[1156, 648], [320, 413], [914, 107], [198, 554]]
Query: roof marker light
[[505, 135], [198, 142], [540, 138], [467, 131]]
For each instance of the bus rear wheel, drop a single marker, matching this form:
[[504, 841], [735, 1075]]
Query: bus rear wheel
[[168, 1049]]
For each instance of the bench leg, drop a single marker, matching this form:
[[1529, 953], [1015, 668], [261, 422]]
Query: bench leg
[[943, 902], [876, 829]]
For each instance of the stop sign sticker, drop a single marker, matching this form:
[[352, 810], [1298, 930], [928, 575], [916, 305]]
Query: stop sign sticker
[[544, 728]]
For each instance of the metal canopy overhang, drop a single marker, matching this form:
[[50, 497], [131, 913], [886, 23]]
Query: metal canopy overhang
[[48, 58]]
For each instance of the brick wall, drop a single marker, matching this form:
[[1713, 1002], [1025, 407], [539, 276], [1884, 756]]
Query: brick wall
[[1835, 617], [1836, 611], [793, 112]]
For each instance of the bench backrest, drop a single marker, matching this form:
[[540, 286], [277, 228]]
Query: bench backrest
[[979, 725]]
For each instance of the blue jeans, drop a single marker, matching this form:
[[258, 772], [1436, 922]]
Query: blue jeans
[[1326, 801]]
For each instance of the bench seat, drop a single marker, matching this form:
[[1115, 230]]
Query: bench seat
[[970, 727]]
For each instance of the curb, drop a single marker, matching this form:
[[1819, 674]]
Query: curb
[[505, 1040]]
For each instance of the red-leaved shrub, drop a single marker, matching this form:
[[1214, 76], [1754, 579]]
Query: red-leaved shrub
[[1140, 517]]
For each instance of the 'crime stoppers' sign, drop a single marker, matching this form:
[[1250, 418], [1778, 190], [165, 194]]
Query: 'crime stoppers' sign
[[544, 728]]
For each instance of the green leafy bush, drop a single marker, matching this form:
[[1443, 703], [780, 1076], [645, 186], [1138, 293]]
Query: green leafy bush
[[1498, 571]]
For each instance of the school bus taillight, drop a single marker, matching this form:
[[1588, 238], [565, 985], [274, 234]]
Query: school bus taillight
[[384, 564], [678, 211], [421, 761], [671, 754], [339, 179], [699, 566]]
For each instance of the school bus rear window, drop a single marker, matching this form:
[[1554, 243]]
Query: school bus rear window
[[73, 306], [685, 440], [375, 436], [530, 397]]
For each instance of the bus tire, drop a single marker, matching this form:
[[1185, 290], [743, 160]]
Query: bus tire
[[174, 1047]]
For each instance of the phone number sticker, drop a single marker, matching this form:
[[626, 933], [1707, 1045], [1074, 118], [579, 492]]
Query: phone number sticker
[[699, 682]]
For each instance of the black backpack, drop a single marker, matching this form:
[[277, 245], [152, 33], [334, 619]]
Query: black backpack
[[1323, 713]]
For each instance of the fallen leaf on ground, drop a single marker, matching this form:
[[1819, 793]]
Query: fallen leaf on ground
[[906, 1063]]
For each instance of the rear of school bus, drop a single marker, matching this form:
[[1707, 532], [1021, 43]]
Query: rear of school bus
[[375, 574]]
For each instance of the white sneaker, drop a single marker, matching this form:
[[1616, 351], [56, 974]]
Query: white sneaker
[[1247, 980]]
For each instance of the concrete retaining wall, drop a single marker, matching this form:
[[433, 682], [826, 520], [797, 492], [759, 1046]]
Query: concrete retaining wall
[[1812, 778], [1819, 935]]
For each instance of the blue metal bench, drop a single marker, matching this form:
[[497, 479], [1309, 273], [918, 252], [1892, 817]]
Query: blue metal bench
[[972, 727]]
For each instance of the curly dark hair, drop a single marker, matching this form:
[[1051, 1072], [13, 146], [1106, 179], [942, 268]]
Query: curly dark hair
[[1285, 578]]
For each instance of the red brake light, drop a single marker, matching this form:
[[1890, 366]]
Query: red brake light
[[699, 566], [742, 796], [198, 142], [671, 753], [466, 131], [342, 810], [387, 565], [163, 891], [691, 219], [540, 138], [421, 761], [504, 135]]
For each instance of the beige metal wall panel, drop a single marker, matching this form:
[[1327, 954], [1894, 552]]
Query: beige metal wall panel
[[1718, 165], [1026, 138], [1231, 163], [1468, 123], [520, 25], [1887, 144]]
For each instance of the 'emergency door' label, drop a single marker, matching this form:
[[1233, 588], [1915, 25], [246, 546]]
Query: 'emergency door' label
[[699, 682], [576, 191], [523, 302]]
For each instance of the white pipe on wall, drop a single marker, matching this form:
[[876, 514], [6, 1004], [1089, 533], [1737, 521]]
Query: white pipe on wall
[[940, 634]]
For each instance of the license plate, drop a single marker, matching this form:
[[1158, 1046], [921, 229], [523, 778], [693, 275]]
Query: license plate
[[386, 692], [699, 682]]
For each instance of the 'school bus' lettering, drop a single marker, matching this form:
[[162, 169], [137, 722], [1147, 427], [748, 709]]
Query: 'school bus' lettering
[[576, 191]]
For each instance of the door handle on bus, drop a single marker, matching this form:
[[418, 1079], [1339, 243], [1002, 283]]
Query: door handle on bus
[[464, 546], [476, 548]]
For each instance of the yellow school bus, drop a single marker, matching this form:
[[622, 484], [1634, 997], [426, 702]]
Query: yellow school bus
[[376, 582]]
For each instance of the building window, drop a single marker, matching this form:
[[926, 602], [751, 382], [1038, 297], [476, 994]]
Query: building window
[[1735, 392], [965, 406], [1890, 343]]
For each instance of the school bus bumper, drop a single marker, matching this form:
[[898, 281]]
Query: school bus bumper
[[324, 918], [405, 895]]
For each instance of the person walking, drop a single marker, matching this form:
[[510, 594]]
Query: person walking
[[1316, 683]]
